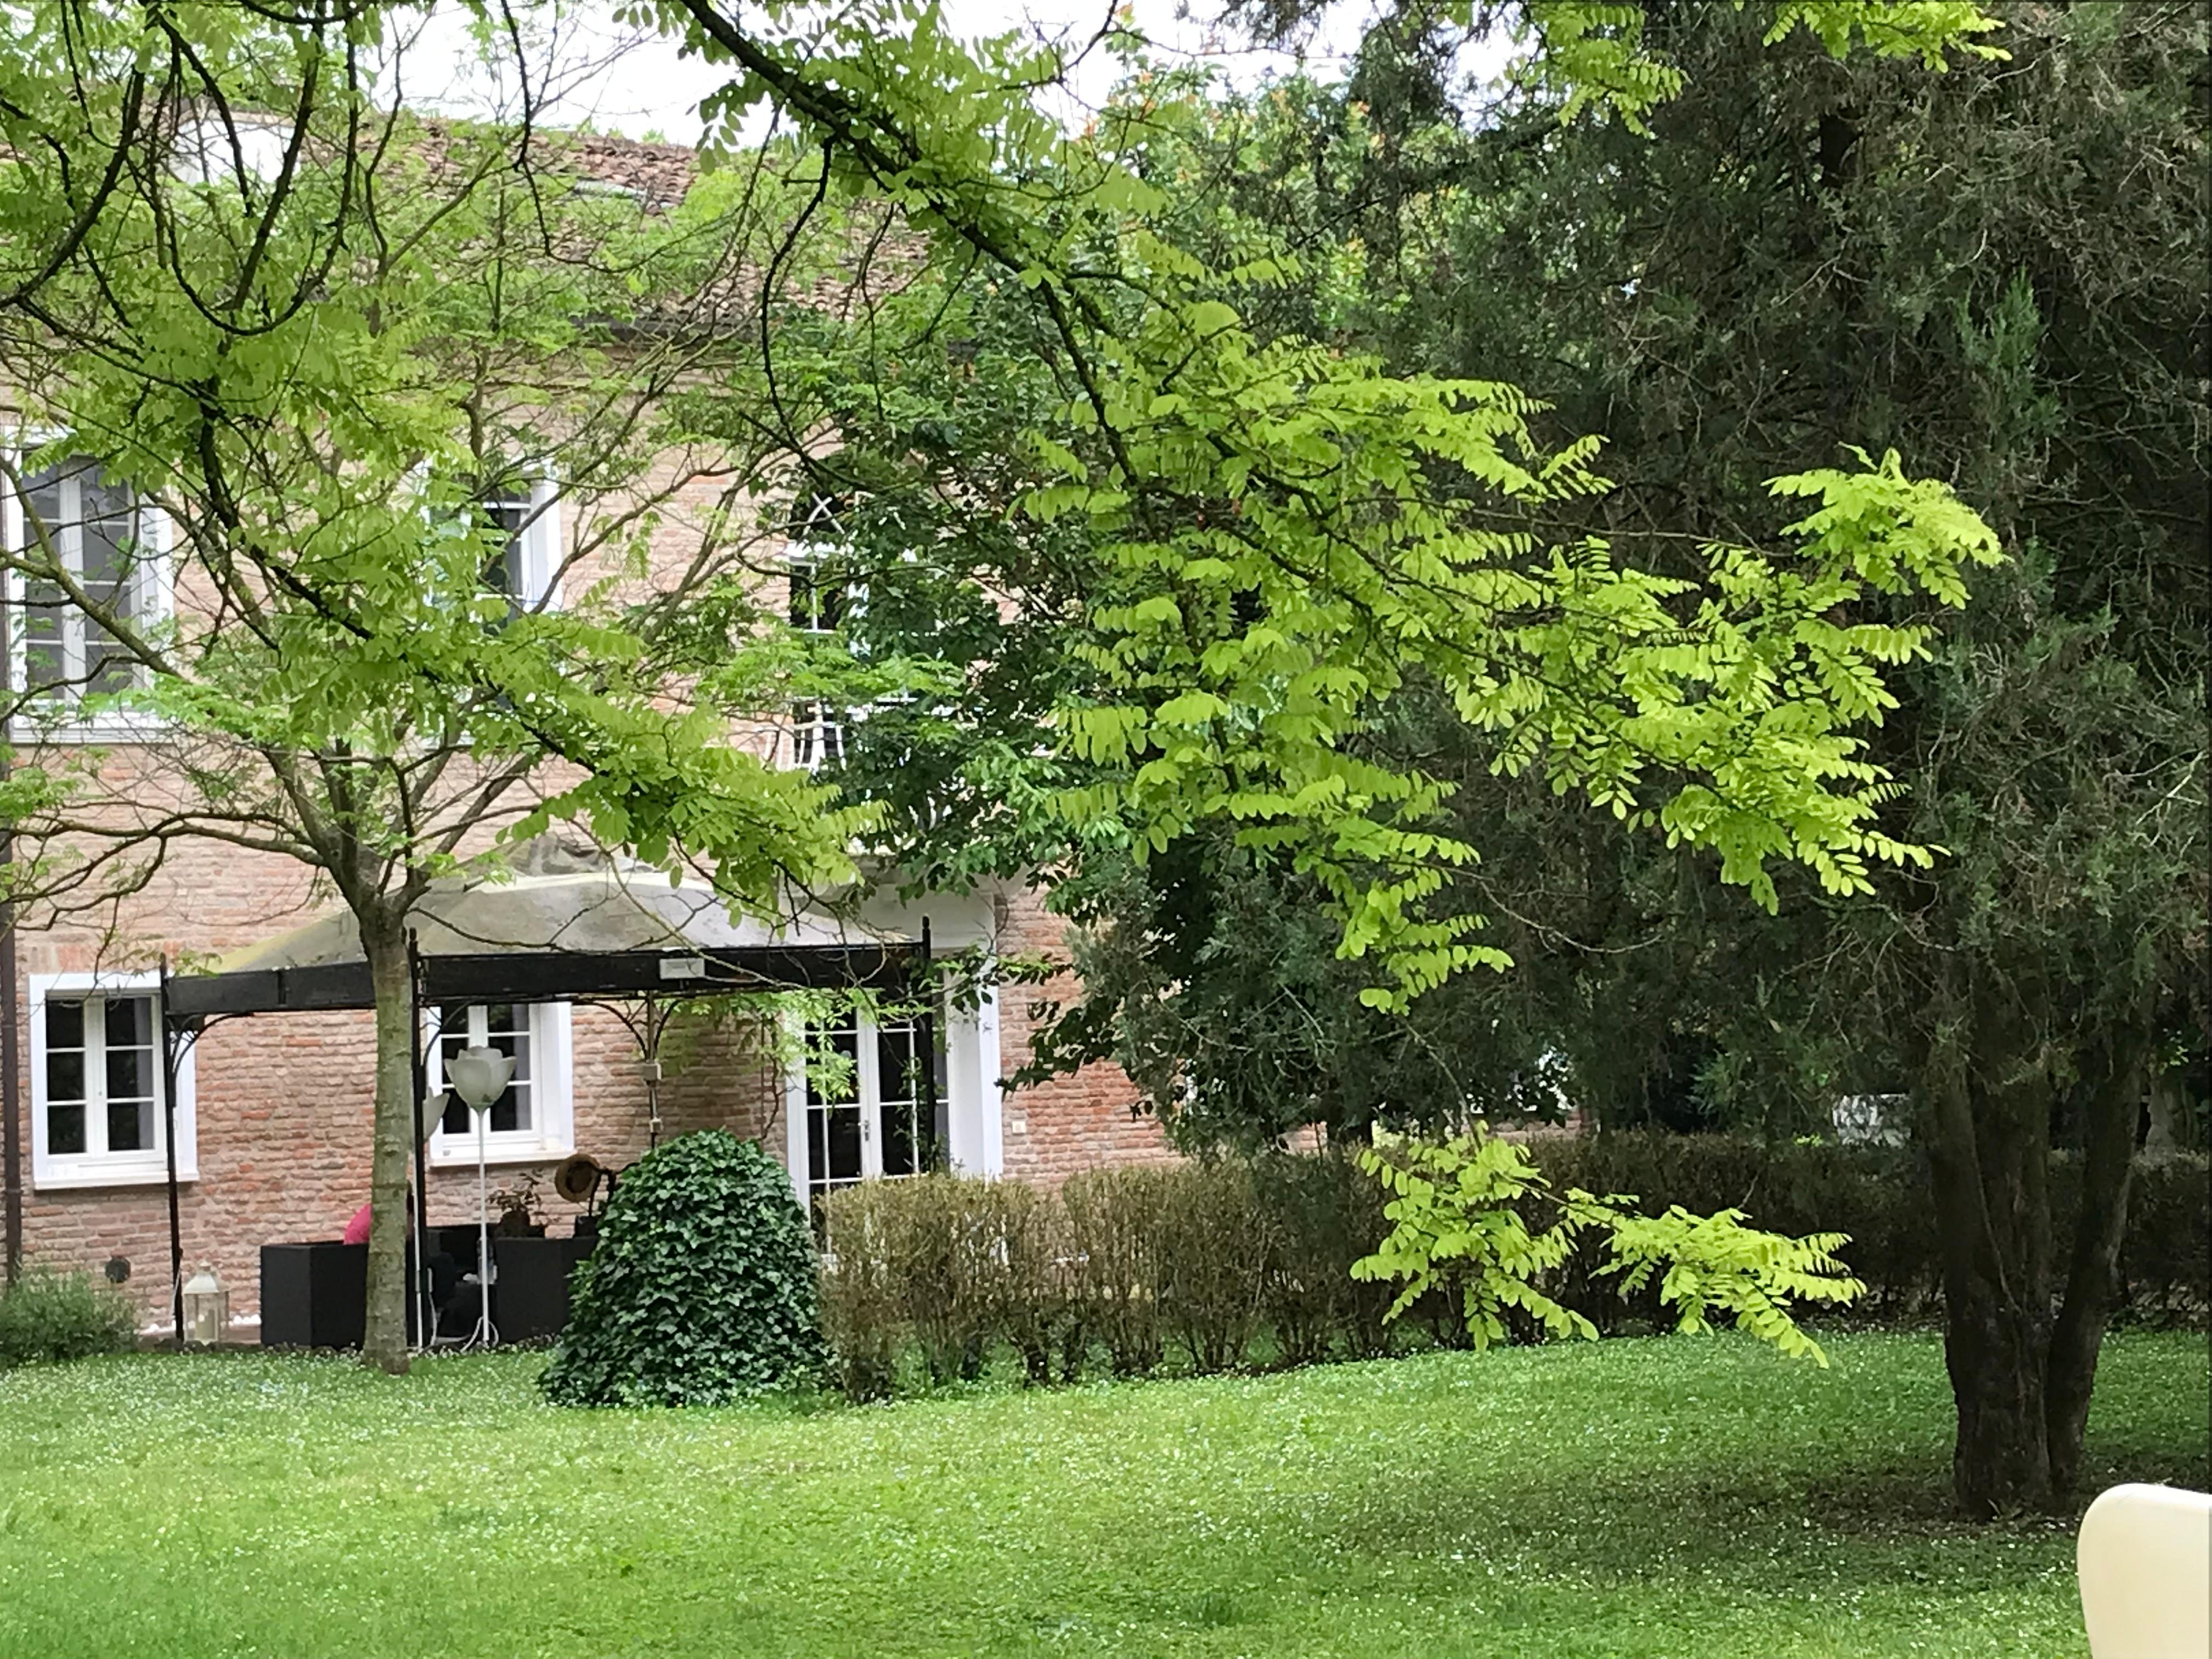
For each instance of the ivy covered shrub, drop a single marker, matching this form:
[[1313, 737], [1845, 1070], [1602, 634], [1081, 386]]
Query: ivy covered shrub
[[702, 1287], [47, 1315]]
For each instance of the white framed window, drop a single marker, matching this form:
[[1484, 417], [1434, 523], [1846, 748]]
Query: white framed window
[[527, 508], [111, 543], [535, 1118], [817, 597], [817, 737], [97, 1117], [890, 1120]]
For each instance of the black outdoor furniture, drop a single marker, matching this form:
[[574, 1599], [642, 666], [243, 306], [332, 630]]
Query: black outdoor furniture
[[315, 1295]]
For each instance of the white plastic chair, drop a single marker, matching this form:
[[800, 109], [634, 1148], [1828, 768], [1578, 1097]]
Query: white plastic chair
[[2145, 1560]]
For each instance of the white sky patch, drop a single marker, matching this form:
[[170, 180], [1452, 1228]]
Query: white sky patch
[[619, 79]]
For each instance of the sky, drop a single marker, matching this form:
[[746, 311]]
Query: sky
[[620, 81]]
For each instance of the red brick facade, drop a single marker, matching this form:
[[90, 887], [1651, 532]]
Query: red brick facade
[[283, 1102]]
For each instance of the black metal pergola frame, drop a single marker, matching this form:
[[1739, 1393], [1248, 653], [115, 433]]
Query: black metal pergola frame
[[193, 1003]]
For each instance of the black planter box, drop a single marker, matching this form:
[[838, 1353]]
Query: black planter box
[[529, 1285], [316, 1295]]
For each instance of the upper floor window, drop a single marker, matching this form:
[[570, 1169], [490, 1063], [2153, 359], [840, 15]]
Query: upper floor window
[[819, 594], [526, 510], [98, 1113], [817, 737], [94, 532]]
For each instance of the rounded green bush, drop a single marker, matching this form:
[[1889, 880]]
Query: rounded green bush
[[702, 1287]]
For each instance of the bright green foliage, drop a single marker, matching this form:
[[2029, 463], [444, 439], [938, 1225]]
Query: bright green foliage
[[1455, 1226], [1593, 53], [49, 1315], [1293, 537], [701, 1289], [344, 354]]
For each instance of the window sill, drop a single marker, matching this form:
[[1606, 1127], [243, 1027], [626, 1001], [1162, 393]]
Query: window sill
[[78, 1174], [463, 1155], [111, 729]]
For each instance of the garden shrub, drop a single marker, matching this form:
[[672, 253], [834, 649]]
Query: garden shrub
[[49, 1315], [2166, 1263], [862, 1315], [1033, 1313], [1881, 1196], [943, 1264], [1212, 1264], [1322, 1212], [910, 1261], [1877, 1196], [1215, 1253], [2165, 1256], [702, 1287], [1115, 1272]]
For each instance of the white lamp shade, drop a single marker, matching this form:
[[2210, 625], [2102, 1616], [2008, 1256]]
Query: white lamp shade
[[433, 1112], [479, 1076]]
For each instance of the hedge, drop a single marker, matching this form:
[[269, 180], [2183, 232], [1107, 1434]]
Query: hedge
[[1882, 1197], [1211, 1266], [1205, 1267]]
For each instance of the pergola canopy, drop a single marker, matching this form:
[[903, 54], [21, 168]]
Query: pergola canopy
[[600, 931]]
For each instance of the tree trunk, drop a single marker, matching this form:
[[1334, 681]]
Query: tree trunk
[[2114, 1091], [1994, 1351], [384, 1336], [1986, 1109], [2022, 1376]]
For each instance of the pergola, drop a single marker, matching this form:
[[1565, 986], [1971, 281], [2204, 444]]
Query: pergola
[[598, 932]]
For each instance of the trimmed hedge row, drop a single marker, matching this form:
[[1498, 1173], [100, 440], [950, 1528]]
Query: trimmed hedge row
[[1123, 1269], [1211, 1266]]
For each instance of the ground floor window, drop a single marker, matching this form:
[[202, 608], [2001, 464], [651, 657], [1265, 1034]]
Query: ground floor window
[[534, 1117], [97, 1105], [866, 1107]]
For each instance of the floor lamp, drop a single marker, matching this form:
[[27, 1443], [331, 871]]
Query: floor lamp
[[480, 1076]]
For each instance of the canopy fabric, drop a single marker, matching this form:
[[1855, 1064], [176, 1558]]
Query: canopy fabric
[[602, 930]]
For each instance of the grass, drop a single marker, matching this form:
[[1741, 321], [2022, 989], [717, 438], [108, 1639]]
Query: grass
[[1626, 1498]]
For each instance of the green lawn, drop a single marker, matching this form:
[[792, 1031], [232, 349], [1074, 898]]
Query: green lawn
[[1692, 1498]]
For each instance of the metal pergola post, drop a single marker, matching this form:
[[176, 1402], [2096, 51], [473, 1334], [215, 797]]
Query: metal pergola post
[[421, 1042], [926, 1022], [169, 1144]]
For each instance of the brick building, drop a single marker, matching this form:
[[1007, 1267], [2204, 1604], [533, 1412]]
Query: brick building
[[272, 1113]]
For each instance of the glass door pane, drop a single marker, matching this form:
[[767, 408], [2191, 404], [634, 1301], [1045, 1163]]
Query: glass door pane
[[836, 1155], [907, 1136]]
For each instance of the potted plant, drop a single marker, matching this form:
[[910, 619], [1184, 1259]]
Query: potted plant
[[519, 1208]]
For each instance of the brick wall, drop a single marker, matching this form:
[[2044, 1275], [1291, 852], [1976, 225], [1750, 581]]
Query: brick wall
[[1070, 1123], [284, 1100]]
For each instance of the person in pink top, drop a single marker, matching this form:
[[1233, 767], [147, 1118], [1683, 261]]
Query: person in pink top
[[356, 1230]]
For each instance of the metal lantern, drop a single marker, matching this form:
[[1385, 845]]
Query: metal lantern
[[207, 1308]]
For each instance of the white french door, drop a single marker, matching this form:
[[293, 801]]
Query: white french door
[[872, 1114]]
